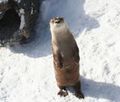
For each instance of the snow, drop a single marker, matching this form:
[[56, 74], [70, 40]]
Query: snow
[[3, 1], [27, 74], [21, 14]]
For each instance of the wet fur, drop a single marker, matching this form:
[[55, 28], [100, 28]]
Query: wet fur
[[65, 58]]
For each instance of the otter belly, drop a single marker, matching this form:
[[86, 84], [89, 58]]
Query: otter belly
[[68, 75]]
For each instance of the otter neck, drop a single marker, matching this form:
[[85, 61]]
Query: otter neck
[[58, 36]]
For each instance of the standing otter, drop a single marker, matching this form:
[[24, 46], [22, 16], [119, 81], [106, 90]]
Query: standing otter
[[65, 57]]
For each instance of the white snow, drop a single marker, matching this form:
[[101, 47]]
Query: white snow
[[21, 14], [27, 74]]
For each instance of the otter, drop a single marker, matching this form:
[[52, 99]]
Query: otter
[[65, 57]]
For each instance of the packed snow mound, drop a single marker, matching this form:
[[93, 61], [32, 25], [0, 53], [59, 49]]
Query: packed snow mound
[[27, 74]]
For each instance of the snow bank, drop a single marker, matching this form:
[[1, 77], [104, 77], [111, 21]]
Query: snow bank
[[26, 72]]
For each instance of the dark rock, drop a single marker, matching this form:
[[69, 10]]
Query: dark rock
[[17, 20]]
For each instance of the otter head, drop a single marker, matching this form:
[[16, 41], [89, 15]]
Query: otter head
[[57, 24]]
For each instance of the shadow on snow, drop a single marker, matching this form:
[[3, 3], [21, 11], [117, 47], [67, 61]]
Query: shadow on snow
[[101, 90], [73, 12]]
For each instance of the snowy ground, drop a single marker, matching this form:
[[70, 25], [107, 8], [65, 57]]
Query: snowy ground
[[26, 72]]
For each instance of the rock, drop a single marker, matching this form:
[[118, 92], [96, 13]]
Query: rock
[[17, 20]]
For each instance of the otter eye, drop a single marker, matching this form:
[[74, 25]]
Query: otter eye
[[57, 20], [61, 19]]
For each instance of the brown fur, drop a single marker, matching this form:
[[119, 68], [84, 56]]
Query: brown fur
[[65, 57]]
